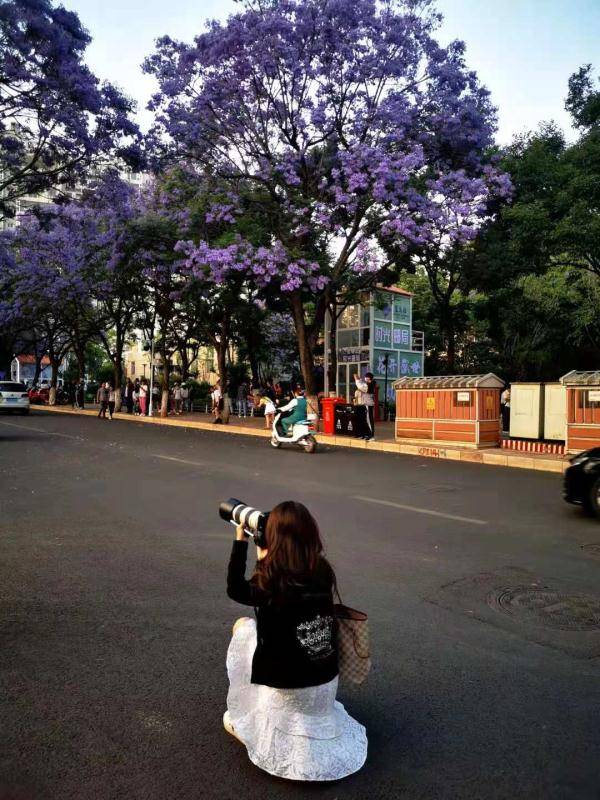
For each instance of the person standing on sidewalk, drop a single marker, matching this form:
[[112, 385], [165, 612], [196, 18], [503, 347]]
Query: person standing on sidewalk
[[112, 399], [102, 398], [136, 398], [505, 409], [143, 398], [185, 398], [129, 395], [366, 402], [242, 399], [217, 404], [177, 399], [80, 394]]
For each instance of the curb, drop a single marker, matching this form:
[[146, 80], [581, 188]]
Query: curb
[[499, 457]]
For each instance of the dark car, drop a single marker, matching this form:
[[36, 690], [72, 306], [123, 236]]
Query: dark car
[[582, 481]]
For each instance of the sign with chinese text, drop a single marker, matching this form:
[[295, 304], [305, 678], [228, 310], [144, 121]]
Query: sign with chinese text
[[402, 310], [382, 334], [401, 337], [463, 397], [430, 403]]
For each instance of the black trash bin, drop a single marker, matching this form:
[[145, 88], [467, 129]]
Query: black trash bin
[[345, 420]]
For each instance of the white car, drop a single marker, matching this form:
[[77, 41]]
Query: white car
[[13, 398]]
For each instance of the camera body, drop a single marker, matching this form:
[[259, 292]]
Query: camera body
[[253, 520]]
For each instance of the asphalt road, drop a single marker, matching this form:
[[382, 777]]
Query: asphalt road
[[114, 621]]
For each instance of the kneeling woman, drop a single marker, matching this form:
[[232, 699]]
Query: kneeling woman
[[283, 667]]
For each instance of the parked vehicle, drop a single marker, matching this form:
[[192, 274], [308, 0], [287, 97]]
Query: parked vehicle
[[13, 398], [40, 395], [582, 481]]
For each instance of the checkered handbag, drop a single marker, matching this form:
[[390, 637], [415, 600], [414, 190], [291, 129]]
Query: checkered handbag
[[354, 653]]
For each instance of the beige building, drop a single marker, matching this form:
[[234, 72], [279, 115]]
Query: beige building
[[137, 363]]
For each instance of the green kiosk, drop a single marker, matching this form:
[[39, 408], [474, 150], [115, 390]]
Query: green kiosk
[[375, 335]]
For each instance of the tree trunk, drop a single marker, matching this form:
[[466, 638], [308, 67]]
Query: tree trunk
[[185, 364], [54, 364], [118, 379], [307, 361], [332, 376], [164, 401], [221, 350], [80, 356], [118, 366], [38, 369], [254, 368], [450, 336]]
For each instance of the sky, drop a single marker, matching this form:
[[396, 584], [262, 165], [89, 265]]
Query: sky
[[523, 50]]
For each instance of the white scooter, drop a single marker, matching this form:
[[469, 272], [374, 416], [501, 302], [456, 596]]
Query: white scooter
[[301, 435]]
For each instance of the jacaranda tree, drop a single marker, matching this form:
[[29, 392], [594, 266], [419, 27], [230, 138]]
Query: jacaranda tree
[[348, 119], [47, 282], [55, 115]]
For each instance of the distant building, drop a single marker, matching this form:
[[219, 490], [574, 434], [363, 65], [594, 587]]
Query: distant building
[[24, 205], [369, 333], [137, 363], [22, 369]]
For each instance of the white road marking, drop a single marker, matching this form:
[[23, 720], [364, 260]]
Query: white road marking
[[182, 460], [417, 510], [39, 430]]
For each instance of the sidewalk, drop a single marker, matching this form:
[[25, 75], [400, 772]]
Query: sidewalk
[[385, 442]]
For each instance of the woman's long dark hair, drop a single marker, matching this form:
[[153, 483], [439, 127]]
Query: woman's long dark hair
[[295, 553]]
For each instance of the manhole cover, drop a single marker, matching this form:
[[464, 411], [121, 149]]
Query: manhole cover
[[592, 549], [565, 612]]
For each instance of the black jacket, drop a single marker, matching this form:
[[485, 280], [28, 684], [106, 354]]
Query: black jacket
[[296, 640]]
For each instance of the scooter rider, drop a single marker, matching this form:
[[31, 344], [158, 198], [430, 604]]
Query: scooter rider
[[296, 409]]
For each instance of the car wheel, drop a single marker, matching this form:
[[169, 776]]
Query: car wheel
[[591, 503], [25, 412]]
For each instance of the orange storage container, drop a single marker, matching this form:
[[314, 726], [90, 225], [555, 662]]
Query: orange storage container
[[583, 410], [449, 409]]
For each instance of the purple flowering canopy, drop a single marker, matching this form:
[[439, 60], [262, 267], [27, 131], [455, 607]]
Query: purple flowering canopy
[[55, 116], [353, 122]]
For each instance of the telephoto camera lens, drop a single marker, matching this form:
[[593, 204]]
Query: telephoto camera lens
[[253, 520]]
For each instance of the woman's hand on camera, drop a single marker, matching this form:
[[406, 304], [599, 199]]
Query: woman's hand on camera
[[240, 533]]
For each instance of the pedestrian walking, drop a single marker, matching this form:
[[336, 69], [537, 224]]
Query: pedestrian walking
[[129, 396], [102, 398], [143, 398], [112, 399], [365, 406], [283, 665], [505, 409]]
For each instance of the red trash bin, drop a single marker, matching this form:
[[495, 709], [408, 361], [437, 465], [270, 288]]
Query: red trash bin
[[328, 405]]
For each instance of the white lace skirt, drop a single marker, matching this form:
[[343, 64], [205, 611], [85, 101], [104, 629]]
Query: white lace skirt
[[300, 734]]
